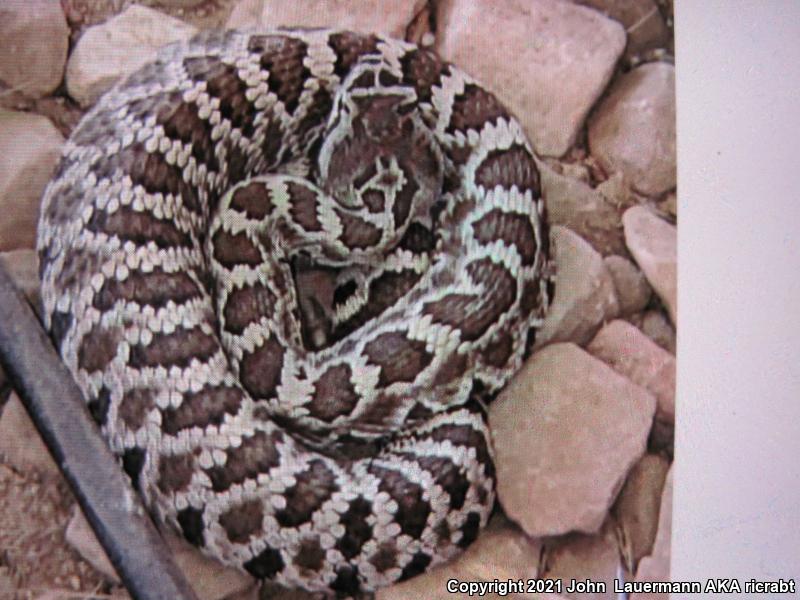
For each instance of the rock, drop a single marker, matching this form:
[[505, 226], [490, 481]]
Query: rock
[[633, 291], [109, 52], [567, 430], [80, 536], [582, 557], [389, 17], [35, 42], [21, 447], [669, 205], [655, 325], [631, 353], [30, 147], [637, 507], [654, 245], [210, 580], [584, 292], [642, 20], [656, 566], [548, 61], [500, 552], [585, 211], [23, 266], [633, 129], [180, 3]]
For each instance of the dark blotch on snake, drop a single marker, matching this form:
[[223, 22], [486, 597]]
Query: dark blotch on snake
[[243, 521], [412, 511], [419, 562], [514, 229], [313, 488], [190, 520], [156, 289], [209, 406], [357, 530], [335, 394], [235, 249], [399, 358], [98, 348], [177, 349], [257, 453], [260, 371], [134, 407], [133, 463], [139, 227], [508, 168], [247, 305], [469, 530], [175, 472]]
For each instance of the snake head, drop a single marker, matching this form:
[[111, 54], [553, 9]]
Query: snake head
[[377, 155]]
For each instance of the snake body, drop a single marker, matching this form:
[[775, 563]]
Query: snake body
[[338, 457]]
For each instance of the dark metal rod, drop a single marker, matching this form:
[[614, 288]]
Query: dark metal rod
[[56, 405]]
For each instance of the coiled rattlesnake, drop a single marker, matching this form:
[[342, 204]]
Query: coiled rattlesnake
[[338, 457]]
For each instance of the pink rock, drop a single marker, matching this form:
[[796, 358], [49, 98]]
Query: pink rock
[[35, 42], [637, 508], [633, 129], [567, 430], [548, 61], [654, 245], [586, 211], [112, 50], [390, 17], [632, 354], [656, 567], [642, 20], [633, 291], [20, 444], [30, 147], [584, 557], [584, 296]]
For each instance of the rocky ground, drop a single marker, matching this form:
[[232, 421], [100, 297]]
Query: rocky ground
[[584, 434]]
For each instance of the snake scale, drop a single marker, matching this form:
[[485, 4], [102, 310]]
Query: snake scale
[[334, 448]]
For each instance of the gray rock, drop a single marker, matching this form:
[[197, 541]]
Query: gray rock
[[35, 39], [567, 430], [637, 508], [390, 17], [30, 147], [108, 52], [584, 292], [631, 353], [653, 243], [633, 129], [548, 61]]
